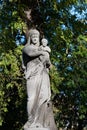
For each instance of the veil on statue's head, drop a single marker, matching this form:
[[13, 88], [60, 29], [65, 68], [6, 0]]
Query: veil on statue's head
[[32, 32]]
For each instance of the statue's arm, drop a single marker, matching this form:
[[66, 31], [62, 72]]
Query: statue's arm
[[32, 51]]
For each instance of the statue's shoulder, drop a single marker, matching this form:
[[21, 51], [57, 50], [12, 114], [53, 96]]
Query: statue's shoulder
[[27, 48]]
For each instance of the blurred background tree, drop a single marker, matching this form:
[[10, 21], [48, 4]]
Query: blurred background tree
[[64, 24]]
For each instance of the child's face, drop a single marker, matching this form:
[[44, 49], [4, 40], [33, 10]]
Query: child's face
[[44, 42]]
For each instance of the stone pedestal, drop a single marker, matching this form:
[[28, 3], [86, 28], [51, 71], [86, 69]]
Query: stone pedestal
[[36, 129]]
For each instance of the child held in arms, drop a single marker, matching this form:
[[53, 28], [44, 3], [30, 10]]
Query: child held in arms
[[45, 59]]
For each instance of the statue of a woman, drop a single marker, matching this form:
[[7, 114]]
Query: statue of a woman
[[39, 107]]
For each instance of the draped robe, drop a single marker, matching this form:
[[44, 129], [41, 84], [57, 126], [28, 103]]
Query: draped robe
[[39, 106]]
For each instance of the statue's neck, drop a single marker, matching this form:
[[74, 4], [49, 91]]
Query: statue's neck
[[37, 44]]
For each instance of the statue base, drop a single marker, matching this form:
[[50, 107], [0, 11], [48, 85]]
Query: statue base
[[36, 129]]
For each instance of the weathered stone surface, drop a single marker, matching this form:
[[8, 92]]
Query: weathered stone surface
[[36, 64], [36, 129]]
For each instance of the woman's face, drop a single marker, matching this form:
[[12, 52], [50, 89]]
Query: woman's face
[[35, 39]]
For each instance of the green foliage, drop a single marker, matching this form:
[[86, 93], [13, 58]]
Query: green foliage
[[12, 84], [55, 79], [68, 41], [69, 49]]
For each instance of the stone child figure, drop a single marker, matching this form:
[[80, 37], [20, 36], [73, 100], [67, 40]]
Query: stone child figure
[[45, 60], [39, 107]]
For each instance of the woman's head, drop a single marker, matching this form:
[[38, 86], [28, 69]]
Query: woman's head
[[34, 36]]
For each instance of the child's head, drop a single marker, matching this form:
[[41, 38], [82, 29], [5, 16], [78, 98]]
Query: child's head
[[44, 42]]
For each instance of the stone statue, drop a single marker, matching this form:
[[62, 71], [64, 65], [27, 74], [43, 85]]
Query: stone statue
[[36, 62]]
